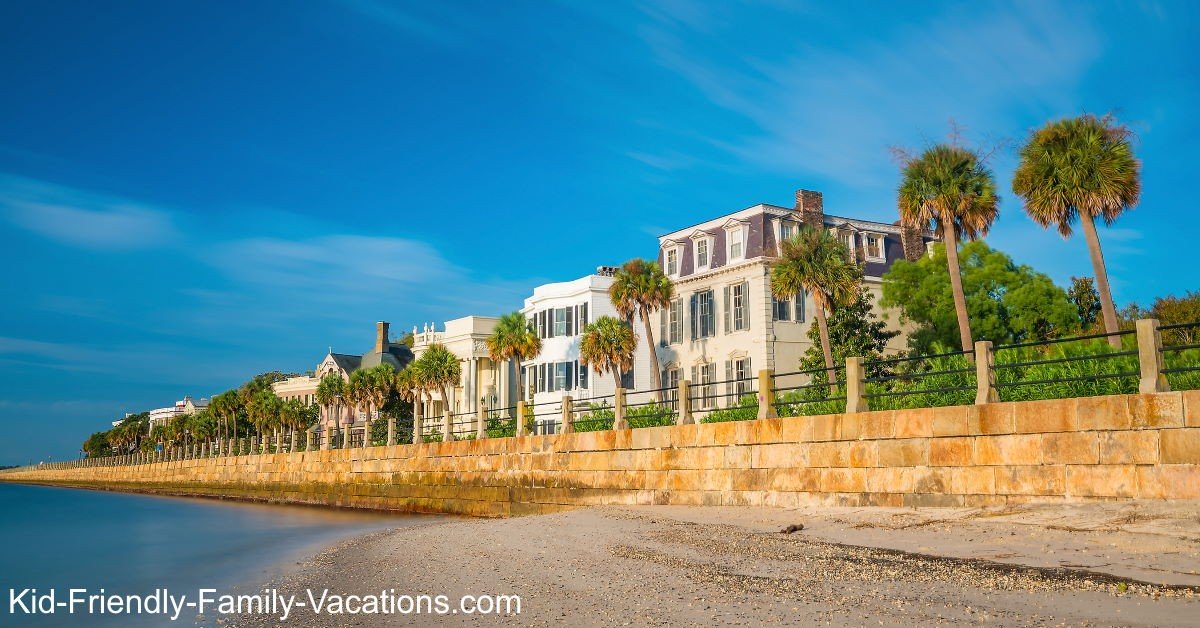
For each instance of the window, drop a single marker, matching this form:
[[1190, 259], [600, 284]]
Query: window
[[703, 311], [582, 371], [675, 321], [873, 243], [737, 243], [702, 253], [786, 231], [781, 310], [702, 380], [737, 372], [800, 299], [672, 261], [582, 310], [737, 318], [670, 381], [560, 322], [561, 371]]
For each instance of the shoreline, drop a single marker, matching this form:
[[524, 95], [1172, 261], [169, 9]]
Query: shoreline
[[693, 565]]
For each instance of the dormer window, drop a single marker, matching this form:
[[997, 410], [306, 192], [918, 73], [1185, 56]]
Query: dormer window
[[701, 244], [873, 247], [672, 258], [737, 243]]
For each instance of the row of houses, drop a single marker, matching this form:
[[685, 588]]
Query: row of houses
[[722, 325]]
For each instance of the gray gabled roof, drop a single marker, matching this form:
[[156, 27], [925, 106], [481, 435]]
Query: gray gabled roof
[[347, 363]]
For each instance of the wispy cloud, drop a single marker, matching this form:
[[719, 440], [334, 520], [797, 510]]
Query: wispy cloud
[[406, 20], [84, 219]]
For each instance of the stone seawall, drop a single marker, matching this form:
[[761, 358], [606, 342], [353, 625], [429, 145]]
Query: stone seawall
[[1116, 447]]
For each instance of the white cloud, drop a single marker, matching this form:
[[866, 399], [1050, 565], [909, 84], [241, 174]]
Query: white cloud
[[83, 219]]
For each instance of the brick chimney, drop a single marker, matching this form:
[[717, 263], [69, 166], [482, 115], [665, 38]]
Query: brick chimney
[[811, 208], [912, 242], [381, 337]]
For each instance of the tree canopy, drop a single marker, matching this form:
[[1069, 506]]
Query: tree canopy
[[1007, 302]]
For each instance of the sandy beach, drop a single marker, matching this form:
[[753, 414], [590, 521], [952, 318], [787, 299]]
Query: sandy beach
[[1095, 564]]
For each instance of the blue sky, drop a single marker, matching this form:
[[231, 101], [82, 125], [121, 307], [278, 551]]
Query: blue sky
[[191, 193]]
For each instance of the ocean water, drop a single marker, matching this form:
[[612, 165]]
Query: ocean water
[[59, 538]]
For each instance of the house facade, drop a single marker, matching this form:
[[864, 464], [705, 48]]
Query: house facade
[[484, 383], [724, 324], [559, 312], [185, 406]]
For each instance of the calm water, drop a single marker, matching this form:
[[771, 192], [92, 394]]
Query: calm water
[[67, 538]]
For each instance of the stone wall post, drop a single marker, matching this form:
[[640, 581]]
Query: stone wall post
[[418, 428], [1150, 357], [308, 439], [619, 422], [391, 431], [521, 412], [855, 401], [684, 403], [481, 420], [568, 415], [766, 394], [295, 441], [985, 373]]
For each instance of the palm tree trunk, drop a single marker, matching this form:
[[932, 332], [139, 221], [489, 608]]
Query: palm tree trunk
[[960, 300], [653, 356], [516, 366], [1111, 325], [823, 328]]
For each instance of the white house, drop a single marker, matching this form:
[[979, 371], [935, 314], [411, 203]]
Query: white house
[[559, 313]]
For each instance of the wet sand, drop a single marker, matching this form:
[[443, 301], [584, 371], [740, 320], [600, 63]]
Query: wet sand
[[1087, 565]]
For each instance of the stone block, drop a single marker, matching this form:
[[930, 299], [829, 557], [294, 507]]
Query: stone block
[[1139, 447], [1169, 481], [826, 427], [949, 421], [1031, 480], [774, 456], [1102, 481], [831, 454], [796, 430], [737, 456], [750, 479], [1071, 448], [850, 427], [950, 452], [933, 500], [1012, 449], [890, 480], [1191, 408], [797, 480], [1103, 413], [1050, 415], [843, 480], [931, 480], [993, 418], [1156, 410], [1180, 446], [904, 453], [864, 454], [973, 480], [915, 423], [770, 431], [879, 424]]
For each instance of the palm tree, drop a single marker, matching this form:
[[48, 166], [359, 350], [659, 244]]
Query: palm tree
[[225, 406], [607, 345], [640, 288], [329, 394], [514, 340], [949, 189], [441, 370], [1080, 169], [814, 261], [407, 385], [383, 385], [358, 392]]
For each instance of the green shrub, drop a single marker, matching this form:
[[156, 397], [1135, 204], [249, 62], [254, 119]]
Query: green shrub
[[745, 410]]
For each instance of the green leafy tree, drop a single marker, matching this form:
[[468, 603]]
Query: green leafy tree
[[514, 340], [97, 445], [1080, 169], [814, 261], [853, 331], [1086, 299], [1007, 302], [1172, 310], [948, 188], [639, 289]]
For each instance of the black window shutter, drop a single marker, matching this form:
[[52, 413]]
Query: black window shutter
[[728, 310], [692, 315], [570, 375], [571, 320]]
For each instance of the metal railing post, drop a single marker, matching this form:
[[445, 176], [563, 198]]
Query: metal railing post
[[619, 422], [766, 394], [855, 401], [1150, 357], [684, 401], [985, 373], [568, 415]]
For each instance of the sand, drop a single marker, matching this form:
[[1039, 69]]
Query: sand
[[1097, 564]]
